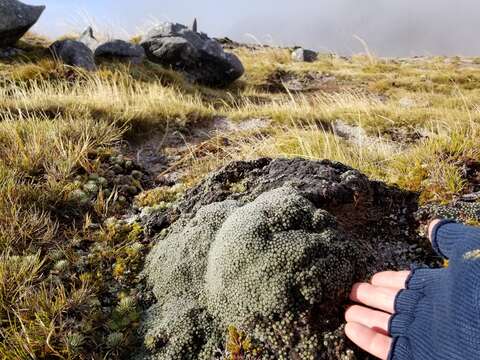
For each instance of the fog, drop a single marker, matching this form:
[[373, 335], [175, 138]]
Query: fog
[[389, 27]]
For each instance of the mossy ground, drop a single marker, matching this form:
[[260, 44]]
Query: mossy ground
[[67, 275]]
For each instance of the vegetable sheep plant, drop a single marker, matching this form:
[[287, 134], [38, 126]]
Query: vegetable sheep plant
[[276, 260]]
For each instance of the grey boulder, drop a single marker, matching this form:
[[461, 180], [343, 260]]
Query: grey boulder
[[304, 55], [89, 39], [121, 50], [73, 53], [10, 52], [16, 19], [199, 57]]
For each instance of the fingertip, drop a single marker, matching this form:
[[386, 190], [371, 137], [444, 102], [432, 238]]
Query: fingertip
[[354, 291], [350, 328], [353, 331], [391, 279], [354, 313], [348, 313], [373, 342], [378, 277]]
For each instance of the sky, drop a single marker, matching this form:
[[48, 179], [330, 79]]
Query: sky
[[389, 27]]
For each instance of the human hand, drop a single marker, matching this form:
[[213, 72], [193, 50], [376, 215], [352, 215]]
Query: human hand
[[368, 324]]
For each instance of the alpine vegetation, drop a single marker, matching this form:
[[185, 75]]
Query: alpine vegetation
[[170, 195], [278, 264]]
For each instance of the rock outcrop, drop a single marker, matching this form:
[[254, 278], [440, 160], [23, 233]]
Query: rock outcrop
[[89, 39], [73, 53], [195, 25], [304, 55], [9, 52], [120, 50], [273, 247], [199, 57], [16, 19], [113, 49]]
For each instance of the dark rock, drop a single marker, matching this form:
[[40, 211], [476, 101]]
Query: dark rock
[[121, 50], [10, 52], [16, 19], [304, 55], [154, 223], [229, 44], [195, 25], [73, 53], [201, 58], [281, 80], [89, 39], [273, 248]]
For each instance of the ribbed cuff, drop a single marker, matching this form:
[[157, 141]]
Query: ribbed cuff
[[391, 353], [406, 301], [420, 277], [400, 349]]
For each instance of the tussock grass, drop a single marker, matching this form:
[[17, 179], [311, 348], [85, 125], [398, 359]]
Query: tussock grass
[[432, 167], [109, 95]]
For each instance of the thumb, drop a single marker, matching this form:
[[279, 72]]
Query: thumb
[[452, 240]]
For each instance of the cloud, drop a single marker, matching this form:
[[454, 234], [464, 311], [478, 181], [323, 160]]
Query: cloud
[[390, 27]]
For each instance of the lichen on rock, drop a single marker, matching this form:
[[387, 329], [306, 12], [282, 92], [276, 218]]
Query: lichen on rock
[[275, 260]]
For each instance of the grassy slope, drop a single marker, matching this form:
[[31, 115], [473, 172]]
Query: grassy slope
[[58, 123]]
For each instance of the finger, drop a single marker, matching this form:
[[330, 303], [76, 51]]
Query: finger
[[375, 320], [369, 340], [380, 298], [391, 279]]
